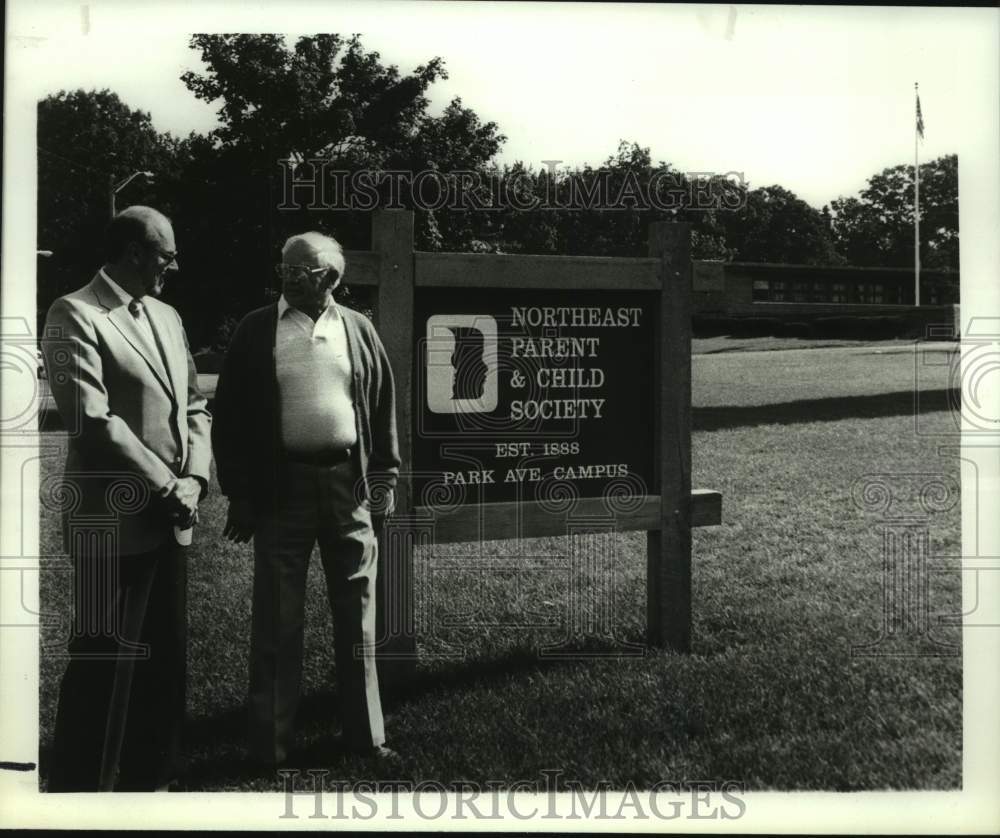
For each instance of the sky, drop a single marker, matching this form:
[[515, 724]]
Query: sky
[[814, 99]]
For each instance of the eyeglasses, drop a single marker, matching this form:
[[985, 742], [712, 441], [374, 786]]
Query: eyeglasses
[[297, 271], [165, 255]]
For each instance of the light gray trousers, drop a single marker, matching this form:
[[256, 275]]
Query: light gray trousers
[[317, 503]]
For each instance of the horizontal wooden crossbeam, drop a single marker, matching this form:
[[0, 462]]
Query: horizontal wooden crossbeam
[[501, 270], [567, 273], [496, 521]]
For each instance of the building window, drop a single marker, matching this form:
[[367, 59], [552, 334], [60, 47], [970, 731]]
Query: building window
[[839, 294], [777, 291], [761, 291]]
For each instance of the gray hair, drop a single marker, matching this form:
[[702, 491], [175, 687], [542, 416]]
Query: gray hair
[[327, 250]]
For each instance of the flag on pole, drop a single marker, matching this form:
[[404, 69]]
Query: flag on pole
[[920, 119]]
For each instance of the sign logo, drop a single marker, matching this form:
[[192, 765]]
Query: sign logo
[[462, 363]]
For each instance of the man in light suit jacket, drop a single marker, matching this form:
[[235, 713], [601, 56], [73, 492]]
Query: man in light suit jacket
[[125, 385]]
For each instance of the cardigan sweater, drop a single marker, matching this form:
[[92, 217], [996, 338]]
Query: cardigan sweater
[[246, 415]]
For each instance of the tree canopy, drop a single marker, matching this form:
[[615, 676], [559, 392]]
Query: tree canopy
[[323, 97], [876, 228], [778, 226], [86, 142]]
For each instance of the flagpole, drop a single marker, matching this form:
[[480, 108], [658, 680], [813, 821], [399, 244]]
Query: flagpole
[[916, 204]]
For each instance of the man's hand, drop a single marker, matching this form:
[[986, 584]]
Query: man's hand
[[383, 510], [240, 521], [181, 499]]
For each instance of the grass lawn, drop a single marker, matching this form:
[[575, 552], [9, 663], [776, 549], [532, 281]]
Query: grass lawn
[[771, 696]]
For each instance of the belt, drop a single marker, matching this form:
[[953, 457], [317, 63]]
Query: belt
[[319, 458]]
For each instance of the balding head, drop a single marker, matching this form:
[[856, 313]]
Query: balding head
[[140, 250], [135, 225]]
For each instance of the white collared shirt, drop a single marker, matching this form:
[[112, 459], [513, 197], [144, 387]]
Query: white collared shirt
[[314, 380], [329, 325], [122, 294]]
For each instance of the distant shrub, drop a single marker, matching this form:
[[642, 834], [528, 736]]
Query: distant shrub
[[706, 327], [760, 327], [797, 329], [224, 333]]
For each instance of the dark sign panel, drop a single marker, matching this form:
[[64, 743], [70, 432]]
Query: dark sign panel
[[532, 395]]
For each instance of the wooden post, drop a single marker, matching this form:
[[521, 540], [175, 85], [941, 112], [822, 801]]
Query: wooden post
[[668, 550], [392, 240]]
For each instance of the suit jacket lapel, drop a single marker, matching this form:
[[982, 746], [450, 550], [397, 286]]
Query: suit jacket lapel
[[122, 319], [174, 353]]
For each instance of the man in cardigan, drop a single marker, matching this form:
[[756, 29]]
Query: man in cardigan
[[305, 444], [138, 461]]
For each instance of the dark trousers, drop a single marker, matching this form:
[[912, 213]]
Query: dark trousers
[[154, 585], [317, 504]]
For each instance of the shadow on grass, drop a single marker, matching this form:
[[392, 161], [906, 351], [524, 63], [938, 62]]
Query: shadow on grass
[[904, 403], [217, 745], [450, 676]]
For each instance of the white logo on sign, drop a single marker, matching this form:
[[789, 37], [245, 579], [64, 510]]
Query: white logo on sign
[[462, 365]]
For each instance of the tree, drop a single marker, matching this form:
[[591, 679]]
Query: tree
[[604, 210], [877, 227], [775, 225], [327, 98], [323, 97], [86, 139]]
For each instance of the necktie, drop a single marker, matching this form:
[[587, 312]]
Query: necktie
[[138, 311]]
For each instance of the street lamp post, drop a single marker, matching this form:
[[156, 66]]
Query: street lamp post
[[115, 188]]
